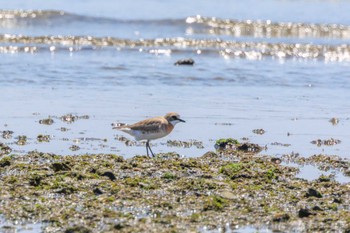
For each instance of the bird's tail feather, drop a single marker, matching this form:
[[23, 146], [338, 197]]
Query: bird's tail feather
[[118, 125]]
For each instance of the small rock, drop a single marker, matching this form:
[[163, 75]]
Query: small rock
[[249, 147], [259, 131], [327, 142], [5, 162], [109, 174], [334, 121], [227, 195], [324, 178], [4, 149], [226, 143], [337, 200], [119, 226], [281, 217], [209, 155], [47, 121], [313, 193], [69, 118], [276, 160], [22, 140], [77, 229], [189, 62], [74, 148], [317, 208], [58, 166], [303, 213], [43, 138], [7, 134], [97, 191]]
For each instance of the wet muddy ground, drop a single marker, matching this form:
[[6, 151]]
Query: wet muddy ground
[[227, 189]]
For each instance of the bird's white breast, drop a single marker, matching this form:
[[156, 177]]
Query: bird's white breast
[[144, 135]]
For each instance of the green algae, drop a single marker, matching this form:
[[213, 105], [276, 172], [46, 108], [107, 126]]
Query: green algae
[[6, 161], [214, 203], [224, 143], [104, 192]]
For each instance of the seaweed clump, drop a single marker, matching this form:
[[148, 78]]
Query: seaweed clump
[[105, 192], [231, 144]]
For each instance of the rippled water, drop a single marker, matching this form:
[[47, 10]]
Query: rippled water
[[275, 66]]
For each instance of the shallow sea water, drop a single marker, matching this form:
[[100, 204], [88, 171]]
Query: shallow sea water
[[277, 67]]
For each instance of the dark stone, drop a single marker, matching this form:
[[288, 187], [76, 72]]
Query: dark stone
[[77, 229], [249, 147], [337, 200], [276, 160], [303, 213], [281, 217], [313, 193], [5, 162], [97, 191], [317, 208], [35, 180], [58, 166], [188, 62], [324, 179], [67, 190], [119, 226], [110, 175], [4, 149], [210, 155]]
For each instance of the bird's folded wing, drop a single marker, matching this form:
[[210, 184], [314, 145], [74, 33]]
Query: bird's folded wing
[[148, 125]]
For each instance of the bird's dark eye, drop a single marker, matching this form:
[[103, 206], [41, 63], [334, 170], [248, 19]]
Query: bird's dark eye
[[175, 117]]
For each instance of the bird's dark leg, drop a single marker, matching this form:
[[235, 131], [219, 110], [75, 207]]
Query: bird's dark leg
[[147, 145], [151, 150]]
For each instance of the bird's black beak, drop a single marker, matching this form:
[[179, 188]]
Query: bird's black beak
[[181, 120]]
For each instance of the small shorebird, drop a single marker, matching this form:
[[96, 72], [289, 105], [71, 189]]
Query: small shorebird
[[151, 129]]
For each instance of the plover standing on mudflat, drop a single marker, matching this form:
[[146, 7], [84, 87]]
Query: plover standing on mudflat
[[151, 129]]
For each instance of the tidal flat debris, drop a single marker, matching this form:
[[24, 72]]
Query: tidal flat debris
[[125, 140], [305, 212], [6, 161], [21, 140], [185, 144], [276, 160], [223, 123], [259, 131], [313, 193], [234, 144], [226, 143], [70, 118], [334, 121], [46, 121], [74, 148], [281, 217], [280, 144], [43, 138], [326, 142], [88, 190], [4, 149], [187, 62], [63, 129], [322, 162], [7, 134]]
